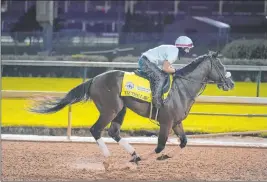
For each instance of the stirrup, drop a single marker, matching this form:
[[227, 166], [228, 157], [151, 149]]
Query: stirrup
[[151, 109]]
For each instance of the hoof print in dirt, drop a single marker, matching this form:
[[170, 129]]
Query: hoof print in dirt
[[106, 166]]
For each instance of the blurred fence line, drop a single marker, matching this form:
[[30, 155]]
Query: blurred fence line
[[74, 42]]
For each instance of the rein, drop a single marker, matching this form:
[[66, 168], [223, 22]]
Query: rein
[[204, 83]]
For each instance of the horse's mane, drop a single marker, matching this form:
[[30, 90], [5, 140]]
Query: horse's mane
[[191, 66]]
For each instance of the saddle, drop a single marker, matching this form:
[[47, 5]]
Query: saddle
[[167, 82], [136, 84]]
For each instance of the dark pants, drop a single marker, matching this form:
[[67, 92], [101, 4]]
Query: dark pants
[[156, 78]]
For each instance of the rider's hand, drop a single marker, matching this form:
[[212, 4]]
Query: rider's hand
[[172, 69], [167, 67]]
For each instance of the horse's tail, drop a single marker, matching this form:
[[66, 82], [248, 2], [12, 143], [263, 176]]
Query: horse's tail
[[52, 105]]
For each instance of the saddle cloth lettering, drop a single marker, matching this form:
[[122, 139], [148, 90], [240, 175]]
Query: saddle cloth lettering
[[138, 87]]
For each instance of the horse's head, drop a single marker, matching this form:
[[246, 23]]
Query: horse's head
[[218, 73]]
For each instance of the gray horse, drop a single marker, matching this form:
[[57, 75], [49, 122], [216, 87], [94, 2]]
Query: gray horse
[[104, 90]]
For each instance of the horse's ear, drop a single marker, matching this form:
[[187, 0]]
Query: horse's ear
[[215, 55]]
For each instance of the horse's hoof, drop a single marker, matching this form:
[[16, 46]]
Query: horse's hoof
[[135, 159], [163, 157]]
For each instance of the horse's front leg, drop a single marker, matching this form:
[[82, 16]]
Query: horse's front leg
[[162, 139], [179, 131]]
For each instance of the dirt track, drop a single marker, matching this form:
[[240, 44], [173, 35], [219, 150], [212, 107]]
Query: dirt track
[[73, 161]]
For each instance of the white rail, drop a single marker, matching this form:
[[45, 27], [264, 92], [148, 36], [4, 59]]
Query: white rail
[[203, 99], [193, 141], [111, 64]]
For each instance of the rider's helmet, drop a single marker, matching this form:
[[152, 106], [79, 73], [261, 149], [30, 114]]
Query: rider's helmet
[[184, 42]]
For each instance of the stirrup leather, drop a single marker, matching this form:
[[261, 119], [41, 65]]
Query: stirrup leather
[[151, 109]]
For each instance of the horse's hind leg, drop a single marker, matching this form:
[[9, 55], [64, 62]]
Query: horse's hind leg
[[98, 127], [107, 114], [114, 132], [109, 104]]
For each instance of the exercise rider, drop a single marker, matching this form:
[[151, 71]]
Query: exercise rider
[[157, 62]]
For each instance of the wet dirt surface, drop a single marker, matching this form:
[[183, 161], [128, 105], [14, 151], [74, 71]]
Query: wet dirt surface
[[83, 161]]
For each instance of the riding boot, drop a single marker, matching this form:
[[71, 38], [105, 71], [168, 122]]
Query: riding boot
[[156, 78], [156, 87]]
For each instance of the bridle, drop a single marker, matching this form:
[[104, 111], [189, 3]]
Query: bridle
[[205, 82]]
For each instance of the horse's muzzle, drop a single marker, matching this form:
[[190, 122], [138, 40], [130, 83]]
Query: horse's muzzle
[[227, 85]]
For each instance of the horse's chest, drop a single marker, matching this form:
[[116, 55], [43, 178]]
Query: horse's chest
[[181, 110], [177, 113], [180, 115]]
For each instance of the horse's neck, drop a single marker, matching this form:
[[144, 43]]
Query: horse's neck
[[196, 78]]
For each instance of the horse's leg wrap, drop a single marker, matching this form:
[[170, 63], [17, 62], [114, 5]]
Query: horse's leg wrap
[[114, 132], [126, 146], [103, 147], [97, 136], [156, 78], [98, 127]]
